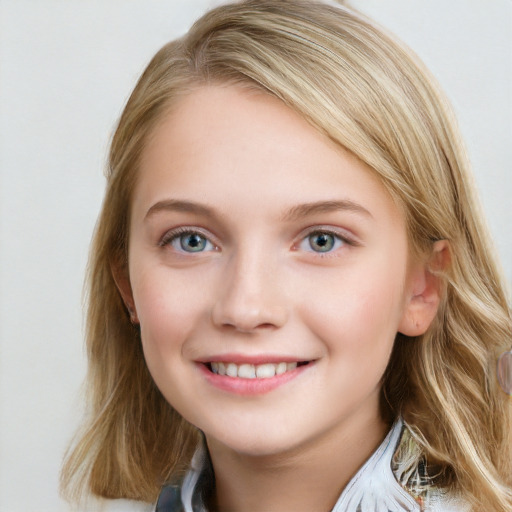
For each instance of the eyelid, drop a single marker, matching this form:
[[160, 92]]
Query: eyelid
[[343, 234], [174, 233]]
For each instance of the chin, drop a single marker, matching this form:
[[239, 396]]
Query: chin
[[255, 442]]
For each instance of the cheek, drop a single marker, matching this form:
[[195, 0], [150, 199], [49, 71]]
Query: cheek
[[169, 309], [357, 316]]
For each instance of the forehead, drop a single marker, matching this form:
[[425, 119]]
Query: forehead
[[222, 142]]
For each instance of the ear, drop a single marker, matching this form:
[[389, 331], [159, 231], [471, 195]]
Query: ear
[[425, 291], [122, 280]]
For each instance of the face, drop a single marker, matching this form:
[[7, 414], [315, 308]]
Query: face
[[269, 272]]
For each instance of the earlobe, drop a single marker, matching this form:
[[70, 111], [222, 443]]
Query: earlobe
[[122, 280], [425, 291]]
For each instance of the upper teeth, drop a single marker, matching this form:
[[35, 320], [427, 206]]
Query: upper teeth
[[251, 371]]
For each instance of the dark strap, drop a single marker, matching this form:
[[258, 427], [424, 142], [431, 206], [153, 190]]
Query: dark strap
[[169, 499]]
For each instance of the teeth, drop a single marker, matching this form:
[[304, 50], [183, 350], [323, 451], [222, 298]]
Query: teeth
[[251, 371], [291, 366], [281, 368], [232, 370], [265, 371], [247, 371]]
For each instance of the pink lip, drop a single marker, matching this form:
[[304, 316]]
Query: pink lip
[[247, 359], [240, 386]]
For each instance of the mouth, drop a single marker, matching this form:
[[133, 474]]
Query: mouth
[[253, 371]]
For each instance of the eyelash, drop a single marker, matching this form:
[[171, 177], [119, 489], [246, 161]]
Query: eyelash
[[340, 240], [175, 235]]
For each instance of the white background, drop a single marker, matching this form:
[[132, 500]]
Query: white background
[[66, 69]]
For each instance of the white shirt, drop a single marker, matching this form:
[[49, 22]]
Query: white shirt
[[374, 488]]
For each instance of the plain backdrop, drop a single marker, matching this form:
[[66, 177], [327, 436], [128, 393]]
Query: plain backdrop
[[66, 69]]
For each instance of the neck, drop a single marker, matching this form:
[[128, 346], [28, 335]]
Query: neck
[[303, 479]]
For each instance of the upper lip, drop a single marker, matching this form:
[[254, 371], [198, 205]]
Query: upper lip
[[252, 359]]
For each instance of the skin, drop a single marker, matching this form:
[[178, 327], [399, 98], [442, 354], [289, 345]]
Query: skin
[[237, 167]]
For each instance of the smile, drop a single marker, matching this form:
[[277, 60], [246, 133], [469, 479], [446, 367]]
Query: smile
[[252, 371], [253, 377]]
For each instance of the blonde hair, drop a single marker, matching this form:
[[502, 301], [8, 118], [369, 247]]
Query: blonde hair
[[368, 93]]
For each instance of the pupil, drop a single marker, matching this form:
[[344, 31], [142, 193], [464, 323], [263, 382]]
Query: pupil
[[322, 242], [193, 242]]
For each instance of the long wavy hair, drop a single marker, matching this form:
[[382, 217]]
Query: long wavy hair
[[367, 92]]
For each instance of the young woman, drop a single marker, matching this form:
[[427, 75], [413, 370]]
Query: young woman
[[293, 303]]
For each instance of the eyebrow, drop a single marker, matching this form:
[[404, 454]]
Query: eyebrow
[[175, 205], [295, 213], [304, 210]]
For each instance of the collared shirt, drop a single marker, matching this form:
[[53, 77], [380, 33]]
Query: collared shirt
[[385, 483]]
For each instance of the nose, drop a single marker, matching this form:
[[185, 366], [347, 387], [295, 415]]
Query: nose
[[250, 297]]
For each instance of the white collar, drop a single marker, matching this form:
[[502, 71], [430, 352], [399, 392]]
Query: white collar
[[374, 488]]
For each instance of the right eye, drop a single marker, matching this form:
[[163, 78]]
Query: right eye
[[187, 241], [323, 241]]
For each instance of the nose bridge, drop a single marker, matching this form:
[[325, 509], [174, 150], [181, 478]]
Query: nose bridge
[[250, 295]]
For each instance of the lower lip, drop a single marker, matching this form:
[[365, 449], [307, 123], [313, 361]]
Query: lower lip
[[256, 386]]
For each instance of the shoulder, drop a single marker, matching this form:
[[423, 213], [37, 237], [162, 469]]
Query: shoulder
[[94, 504], [412, 473], [447, 503]]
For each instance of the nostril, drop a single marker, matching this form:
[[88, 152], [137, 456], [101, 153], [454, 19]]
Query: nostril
[[248, 310], [266, 326], [248, 327]]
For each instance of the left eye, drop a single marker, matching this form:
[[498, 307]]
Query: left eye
[[321, 241], [190, 241]]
